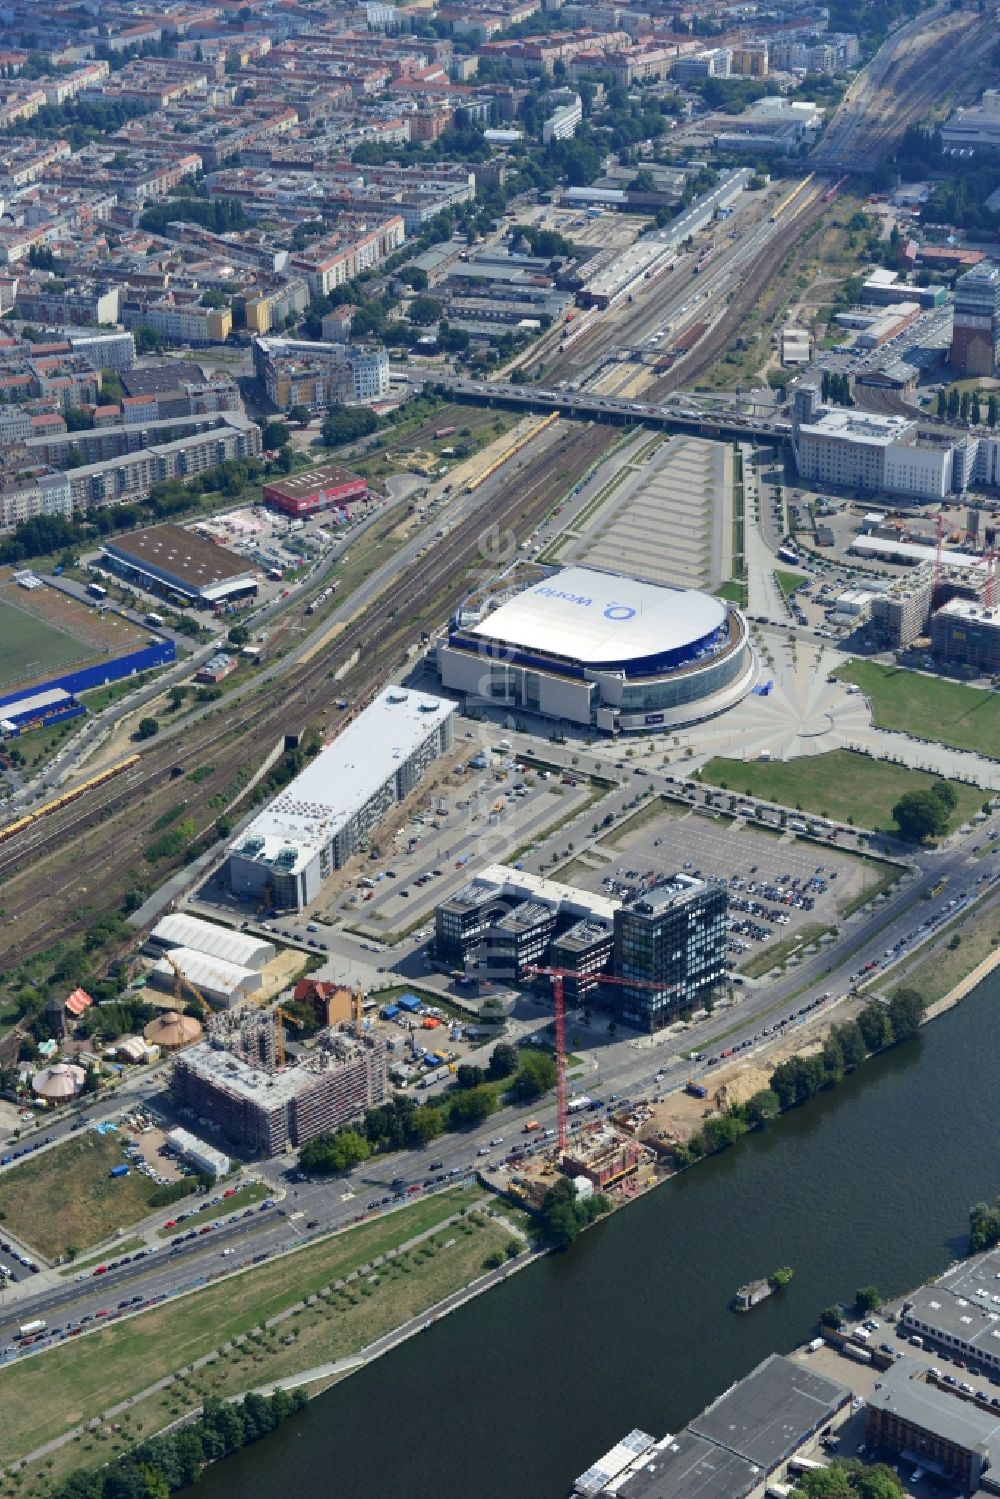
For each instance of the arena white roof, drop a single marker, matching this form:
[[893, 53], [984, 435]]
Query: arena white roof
[[180, 930], [594, 617]]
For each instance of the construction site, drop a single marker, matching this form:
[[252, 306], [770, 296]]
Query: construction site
[[266, 1100]]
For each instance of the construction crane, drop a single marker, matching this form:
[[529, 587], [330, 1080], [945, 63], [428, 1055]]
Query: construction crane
[[280, 1016], [557, 975], [357, 1002], [181, 980]]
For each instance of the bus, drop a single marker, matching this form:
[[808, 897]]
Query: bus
[[97, 591]]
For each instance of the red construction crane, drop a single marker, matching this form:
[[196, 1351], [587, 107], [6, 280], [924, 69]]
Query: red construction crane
[[557, 975]]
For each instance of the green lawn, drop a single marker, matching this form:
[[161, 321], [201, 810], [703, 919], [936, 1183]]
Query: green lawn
[[45, 1395], [29, 647], [64, 1197], [788, 582], [840, 785], [928, 707], [735, 591]]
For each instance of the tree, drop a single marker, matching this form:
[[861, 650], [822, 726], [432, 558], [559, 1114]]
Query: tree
[[238, 634], [470, 1107], [921, 814], [953, 404], [148, 728], [991, 411], [764, 1105], [469, 1076], [852, 1044], [875, 1026], [535, 1075], [867, 1299], [275, 435], [329, 1152], [301, 415], [424, 310], [797, 1080], [906, 1009], [984, 1226], [503, 1061], [831, 1316]]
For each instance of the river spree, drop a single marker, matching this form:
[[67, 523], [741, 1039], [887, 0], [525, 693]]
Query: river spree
[[517, 1393]]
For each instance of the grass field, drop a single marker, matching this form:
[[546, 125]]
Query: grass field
[[46, 1395], [64, 1198], [938, 970], [929, 708], [841, 785], [788, 582], [735, 591], [30, 648]]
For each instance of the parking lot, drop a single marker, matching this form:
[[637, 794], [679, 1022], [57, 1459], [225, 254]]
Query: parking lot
[[777, 884], [459, 823]]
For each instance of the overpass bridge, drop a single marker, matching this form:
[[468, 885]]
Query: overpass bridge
[[616, 411]]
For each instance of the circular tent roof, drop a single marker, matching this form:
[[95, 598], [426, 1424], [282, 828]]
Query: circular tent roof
[[172, 1030], [59, 1081]]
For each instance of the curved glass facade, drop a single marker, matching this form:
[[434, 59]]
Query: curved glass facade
[[674, 692]]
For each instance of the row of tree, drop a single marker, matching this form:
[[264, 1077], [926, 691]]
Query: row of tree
[[402, 1123], [836, 389], [967, 407], [984, 1226], [877, 1027], [164, 1464], [926, 812]]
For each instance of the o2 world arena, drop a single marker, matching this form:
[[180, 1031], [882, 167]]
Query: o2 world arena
[[592, 648]]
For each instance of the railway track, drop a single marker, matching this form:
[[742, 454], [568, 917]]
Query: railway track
[[89, 853]]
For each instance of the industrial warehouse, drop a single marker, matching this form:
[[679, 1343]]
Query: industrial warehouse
[[320, 489], [180, 566], [322, 817], [593, 648]]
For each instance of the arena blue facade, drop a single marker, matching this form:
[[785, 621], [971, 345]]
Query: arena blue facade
[[100, 673]]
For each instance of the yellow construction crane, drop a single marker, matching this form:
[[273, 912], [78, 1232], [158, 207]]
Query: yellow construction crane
[[181, 981], [357, 1002], [279, 1033]]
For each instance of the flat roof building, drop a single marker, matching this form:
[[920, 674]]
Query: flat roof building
[[320, 489], [735, 1446], [909, 1416], [672, 941], [316, 823], [967, 634], [848, 448], [171, 560]]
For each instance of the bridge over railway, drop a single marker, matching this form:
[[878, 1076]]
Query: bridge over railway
[[616, 411]]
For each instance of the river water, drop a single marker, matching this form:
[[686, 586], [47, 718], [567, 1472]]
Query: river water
[[514, 1395]]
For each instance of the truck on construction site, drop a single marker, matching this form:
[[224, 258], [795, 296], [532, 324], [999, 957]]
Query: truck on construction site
[[530, 1127], [117, 1171], [696, 1090], [577, 1105]]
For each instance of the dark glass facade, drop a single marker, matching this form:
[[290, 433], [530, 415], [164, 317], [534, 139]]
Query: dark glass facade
[[673, 939]]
